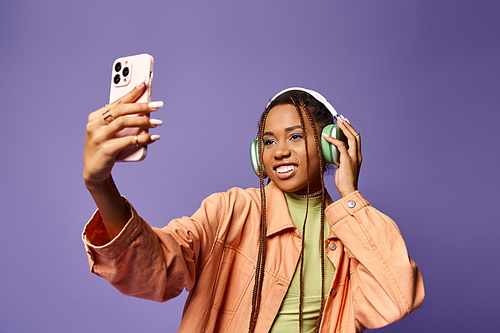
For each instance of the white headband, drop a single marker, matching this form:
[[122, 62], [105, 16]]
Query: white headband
[[320, 98]]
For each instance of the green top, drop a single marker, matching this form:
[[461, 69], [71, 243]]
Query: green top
[[287, 319]]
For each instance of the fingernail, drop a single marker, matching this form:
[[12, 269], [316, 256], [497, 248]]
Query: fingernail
[[155, 137], [340, 120], [344, 118], [138, 85], [155, 121], [155, 105], [326, 136]]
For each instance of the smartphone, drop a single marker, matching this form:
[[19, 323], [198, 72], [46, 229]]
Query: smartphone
[[128, 72]]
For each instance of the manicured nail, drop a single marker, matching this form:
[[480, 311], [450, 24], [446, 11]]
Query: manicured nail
[[155, 121], [155, 137], [326, 136], [340, 120], [138, 85], [155, 105], [345, 119]]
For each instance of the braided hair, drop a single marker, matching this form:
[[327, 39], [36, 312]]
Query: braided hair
[[317, 116]]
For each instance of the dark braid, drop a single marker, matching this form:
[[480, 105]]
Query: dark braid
[[261, 258], [301, 275], [322, 232]]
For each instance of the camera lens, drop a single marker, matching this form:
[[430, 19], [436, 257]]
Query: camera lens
[[118, 66], [116, 79], [126, 71]]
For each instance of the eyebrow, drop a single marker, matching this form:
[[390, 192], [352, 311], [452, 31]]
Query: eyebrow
[[287, 129]]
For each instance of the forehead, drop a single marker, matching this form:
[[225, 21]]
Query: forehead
[[283, 116]]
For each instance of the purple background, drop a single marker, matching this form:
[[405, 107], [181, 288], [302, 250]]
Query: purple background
[[418, 79]]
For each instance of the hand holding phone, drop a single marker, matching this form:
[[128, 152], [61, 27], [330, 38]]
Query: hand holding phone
[[127, 72]]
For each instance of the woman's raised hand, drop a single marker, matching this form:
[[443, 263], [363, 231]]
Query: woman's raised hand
[[347, 174], [101, 144]]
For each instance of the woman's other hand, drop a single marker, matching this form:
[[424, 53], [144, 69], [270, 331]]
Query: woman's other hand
[[347, 174]]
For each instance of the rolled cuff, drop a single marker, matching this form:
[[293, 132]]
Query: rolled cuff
[[97, 240]]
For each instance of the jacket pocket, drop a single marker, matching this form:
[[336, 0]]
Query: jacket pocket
[[236, 275]]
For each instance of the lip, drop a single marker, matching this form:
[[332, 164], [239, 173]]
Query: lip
[[285, 175]]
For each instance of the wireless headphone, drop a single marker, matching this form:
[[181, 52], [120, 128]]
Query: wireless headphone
[[330, 153]]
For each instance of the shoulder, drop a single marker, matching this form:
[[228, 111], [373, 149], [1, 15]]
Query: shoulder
[[234, 196], [239, 199], [249, 194]]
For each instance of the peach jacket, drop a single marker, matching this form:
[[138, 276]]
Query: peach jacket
[[213, 254]]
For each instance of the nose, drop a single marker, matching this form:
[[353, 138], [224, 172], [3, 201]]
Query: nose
[[281, 151]]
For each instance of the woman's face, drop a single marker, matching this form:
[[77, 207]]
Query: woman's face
[[285, 154]]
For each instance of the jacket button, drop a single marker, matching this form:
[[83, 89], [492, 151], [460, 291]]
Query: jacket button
[[333, 292], [351, 204], [332, 246]]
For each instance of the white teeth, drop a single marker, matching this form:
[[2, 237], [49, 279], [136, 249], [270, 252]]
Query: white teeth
[[285, 168]]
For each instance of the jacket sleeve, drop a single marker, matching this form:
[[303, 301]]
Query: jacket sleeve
[[153, 263], [386, 283]]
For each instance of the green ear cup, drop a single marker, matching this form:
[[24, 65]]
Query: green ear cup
[[330, 153], [254, 157], [326, 146]]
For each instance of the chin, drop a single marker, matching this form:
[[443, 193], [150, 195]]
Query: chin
[[282, 185]]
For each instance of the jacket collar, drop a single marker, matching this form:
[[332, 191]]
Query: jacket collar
[[278, 218]]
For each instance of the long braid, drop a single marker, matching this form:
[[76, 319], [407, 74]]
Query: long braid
[[261, 258], [301, 274], [323, 204]]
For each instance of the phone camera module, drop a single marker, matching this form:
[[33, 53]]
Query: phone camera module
[[126, 71], [116, 79], [118, 66]]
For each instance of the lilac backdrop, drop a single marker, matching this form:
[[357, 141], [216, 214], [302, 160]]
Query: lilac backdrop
[[418, 79]]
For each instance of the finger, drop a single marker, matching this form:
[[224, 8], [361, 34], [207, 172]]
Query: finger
[[358, 143], [337, 143], [342, 121], [131, 96], [119, 144], [109, 113], [134, 108], [351, 135], [130, 122], [357, 136]]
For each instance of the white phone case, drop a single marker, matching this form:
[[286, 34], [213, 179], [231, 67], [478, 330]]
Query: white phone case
[[127, 72]]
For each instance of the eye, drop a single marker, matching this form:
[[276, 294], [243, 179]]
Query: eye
[[268, 142], [296, 137]]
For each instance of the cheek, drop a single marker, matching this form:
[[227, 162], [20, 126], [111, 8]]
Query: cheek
[[314, 159], [266, 158]]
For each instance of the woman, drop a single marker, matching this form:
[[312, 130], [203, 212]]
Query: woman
[[279, 258]]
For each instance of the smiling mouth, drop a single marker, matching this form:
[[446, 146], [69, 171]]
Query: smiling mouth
[[285, 168], [285, 171]]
